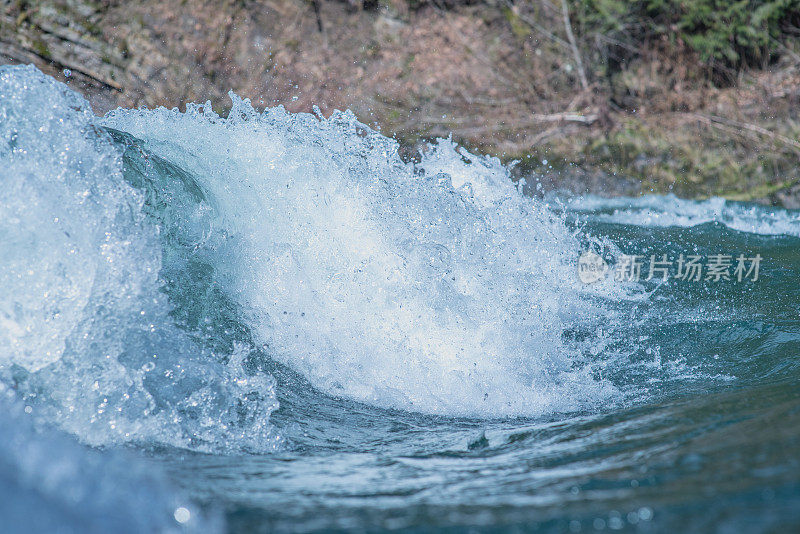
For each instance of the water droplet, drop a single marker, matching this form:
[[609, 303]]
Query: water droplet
[[182, 515]]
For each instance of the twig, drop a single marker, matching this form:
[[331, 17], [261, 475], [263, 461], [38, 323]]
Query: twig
[[534, 120], [715, 121], [315, 5], [786, 49], [533, 24], [8, 49], [574, 45]]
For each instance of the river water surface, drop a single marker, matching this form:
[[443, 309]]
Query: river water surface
[[270, 322]]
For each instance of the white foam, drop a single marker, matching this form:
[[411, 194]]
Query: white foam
[[86, 335], [438, 288], [665, 211]]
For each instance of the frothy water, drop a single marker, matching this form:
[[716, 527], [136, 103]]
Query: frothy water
[[276, 313], [658, 211], [87, 335], [434, 287]]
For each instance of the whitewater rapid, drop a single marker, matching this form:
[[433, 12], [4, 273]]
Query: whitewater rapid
[[154, 258], [434, 287], [158, 267]]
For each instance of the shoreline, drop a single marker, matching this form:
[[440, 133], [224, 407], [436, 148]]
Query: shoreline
[[500, 77]]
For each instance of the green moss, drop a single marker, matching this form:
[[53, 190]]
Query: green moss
[[518, 27], [724, 33], [664, 157], [41, 48]]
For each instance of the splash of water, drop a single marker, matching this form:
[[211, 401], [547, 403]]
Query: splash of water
[[150, 256], [86, 332], [434, 287]]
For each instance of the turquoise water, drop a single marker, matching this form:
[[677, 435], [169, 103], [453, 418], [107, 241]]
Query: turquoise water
[[270, 322]]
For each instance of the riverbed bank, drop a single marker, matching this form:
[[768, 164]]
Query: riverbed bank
[[523, 81]]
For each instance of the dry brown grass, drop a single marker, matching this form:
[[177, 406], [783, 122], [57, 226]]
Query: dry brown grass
[[501, 77]]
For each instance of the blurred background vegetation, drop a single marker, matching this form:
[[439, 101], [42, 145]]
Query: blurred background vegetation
[[695, 97], [726, 34]]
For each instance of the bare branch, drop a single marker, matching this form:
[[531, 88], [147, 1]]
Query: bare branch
[[574, 45], [717, 121]]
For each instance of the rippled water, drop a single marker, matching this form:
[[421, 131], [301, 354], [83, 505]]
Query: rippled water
[[272, 322]]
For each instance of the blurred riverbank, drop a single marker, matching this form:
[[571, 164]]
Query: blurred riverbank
[[592, 99]]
